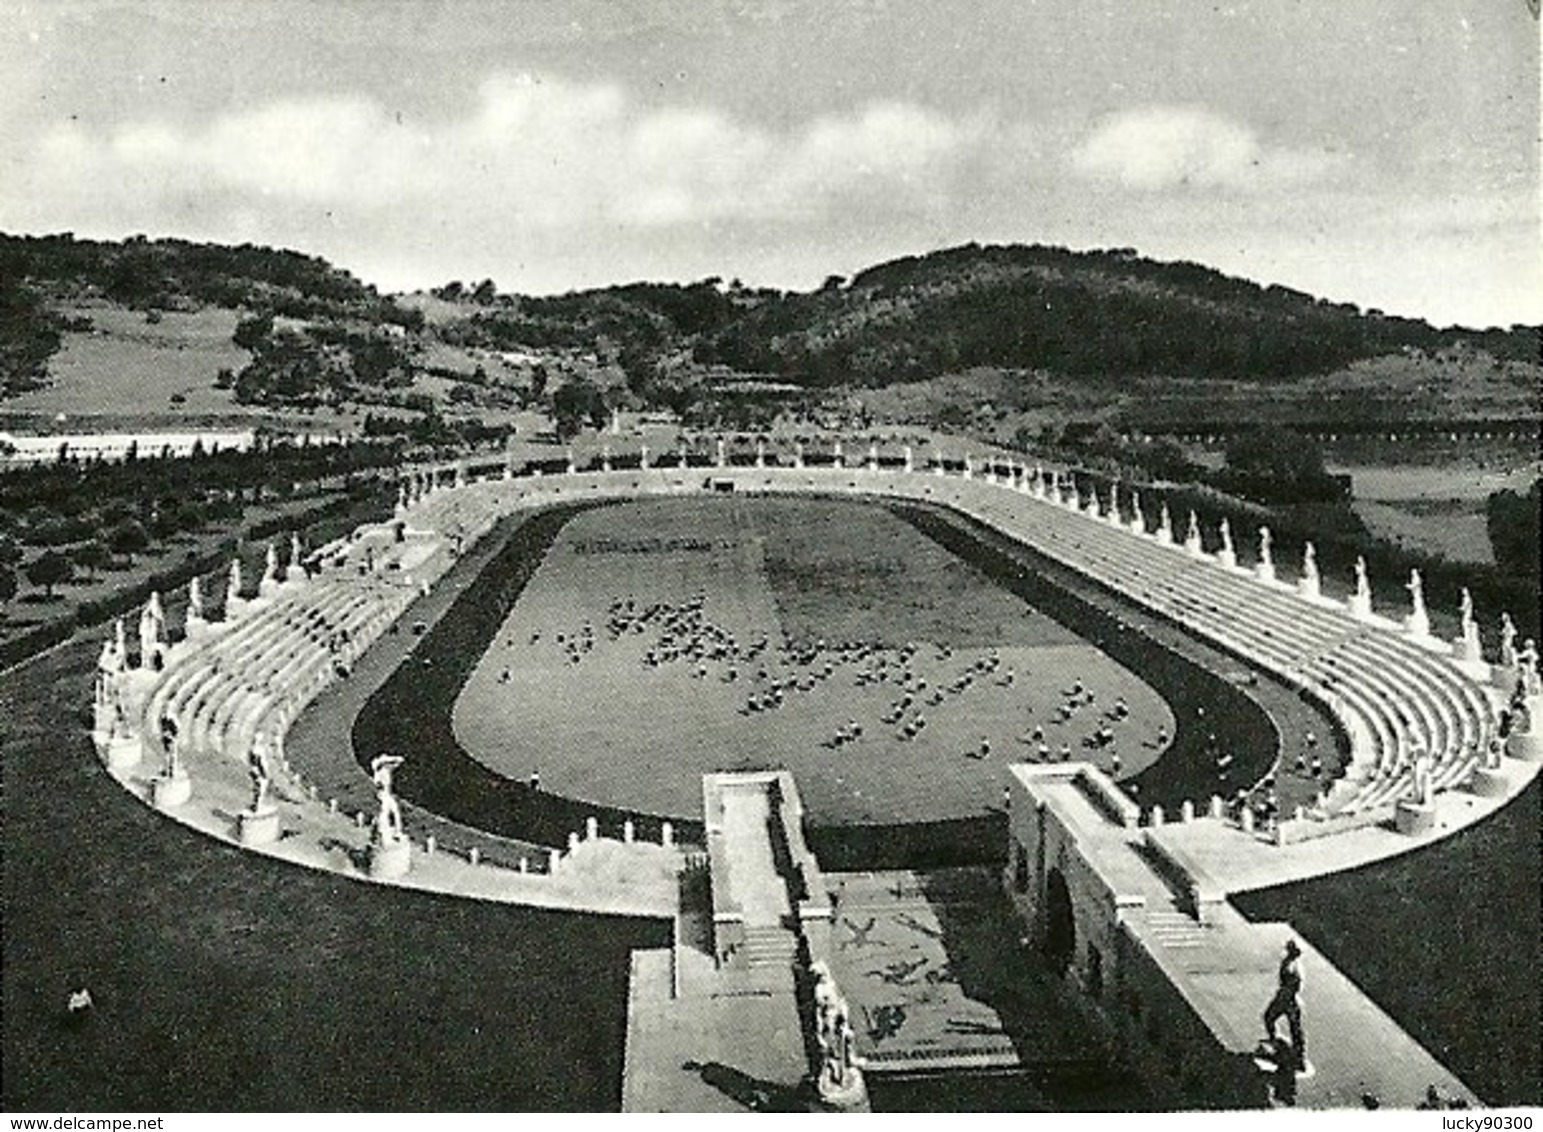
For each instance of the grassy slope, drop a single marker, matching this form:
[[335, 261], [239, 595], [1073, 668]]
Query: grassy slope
[[225, 981]]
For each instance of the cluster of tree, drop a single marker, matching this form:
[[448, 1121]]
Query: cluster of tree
[[319, 362], [1512, 518], [432, 431], [29, 336], [82, 517], [170, 274]]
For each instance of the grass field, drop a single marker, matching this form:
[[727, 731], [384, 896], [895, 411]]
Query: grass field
[[126, 365], [600, 723]]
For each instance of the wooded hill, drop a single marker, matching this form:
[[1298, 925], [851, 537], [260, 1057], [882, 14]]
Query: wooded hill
[[316, 333]]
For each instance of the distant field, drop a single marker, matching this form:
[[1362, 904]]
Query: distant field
[[126, 365], [608, 728]]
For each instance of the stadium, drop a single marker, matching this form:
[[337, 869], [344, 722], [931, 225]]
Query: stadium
[[995, 752]]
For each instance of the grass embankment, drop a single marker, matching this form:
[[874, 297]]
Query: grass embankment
[[225, 981]]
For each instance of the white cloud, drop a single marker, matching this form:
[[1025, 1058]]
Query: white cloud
[[1153, 148], [550, 152]]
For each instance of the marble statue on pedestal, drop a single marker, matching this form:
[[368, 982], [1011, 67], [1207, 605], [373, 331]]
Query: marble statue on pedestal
[[760, 453], [1264, 548], [1527, 663], [262, 779], [910, 459], [1507, 641], [1138, 521], [572, 464], [643, 456], [1467, 646], [1192, 541], [295, 571], [195, 613], [1228, 553], [1423, 791], [1165, 524], [233, 585], [873, 457], [270, 579], [171, 787], [838, 1079], [720, 458], [390, 851], [1419, 620], [605, 458], [798, 454], [152, 633], [1310, 583], [1361, 600]]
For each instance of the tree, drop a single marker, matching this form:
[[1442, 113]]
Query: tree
[[129, 538], [49, 570], [91, 556], [574, 403]]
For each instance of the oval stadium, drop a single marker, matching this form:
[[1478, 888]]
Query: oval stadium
[[783, 777]]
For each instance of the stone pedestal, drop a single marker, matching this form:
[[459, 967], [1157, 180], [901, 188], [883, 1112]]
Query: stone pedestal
[[1308, 588], [1264, 571], [1414, 818], [170, 791], [1503, 677], [257, 827], [1228, 558], [1417, 624], [850, 1095], [122, 752], [390, 859], [1525, 745], [1360, 606], [1488, 783]]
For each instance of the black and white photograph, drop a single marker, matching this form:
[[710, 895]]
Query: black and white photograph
[[770, 556]]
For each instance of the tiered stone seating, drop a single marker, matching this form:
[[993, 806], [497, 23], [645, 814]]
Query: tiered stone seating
[[244, 684], [1396, 697]]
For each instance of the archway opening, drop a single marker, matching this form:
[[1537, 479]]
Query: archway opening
[[1060, 936]]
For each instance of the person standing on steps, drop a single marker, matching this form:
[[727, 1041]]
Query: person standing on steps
[[1287, 1003]]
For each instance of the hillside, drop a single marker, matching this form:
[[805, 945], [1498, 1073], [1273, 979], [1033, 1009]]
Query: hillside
[[169, 327]]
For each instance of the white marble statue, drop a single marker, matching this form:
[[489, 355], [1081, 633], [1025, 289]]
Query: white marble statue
[[196, 599], [388, 821], [721, 458], [1138, 521], [152, 626], [1226, 533], [1165, 524], [1424, 789], [1363, 585], [172, 767], [258, 771], [1419, 618], [1310, 565], [1527, 663], [643, 456], [1507, 641], [1468, 641], [1192, 535], [233, 584], [1264, 547]]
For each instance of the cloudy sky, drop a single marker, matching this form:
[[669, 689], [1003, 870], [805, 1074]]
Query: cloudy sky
[[1383, 152]]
